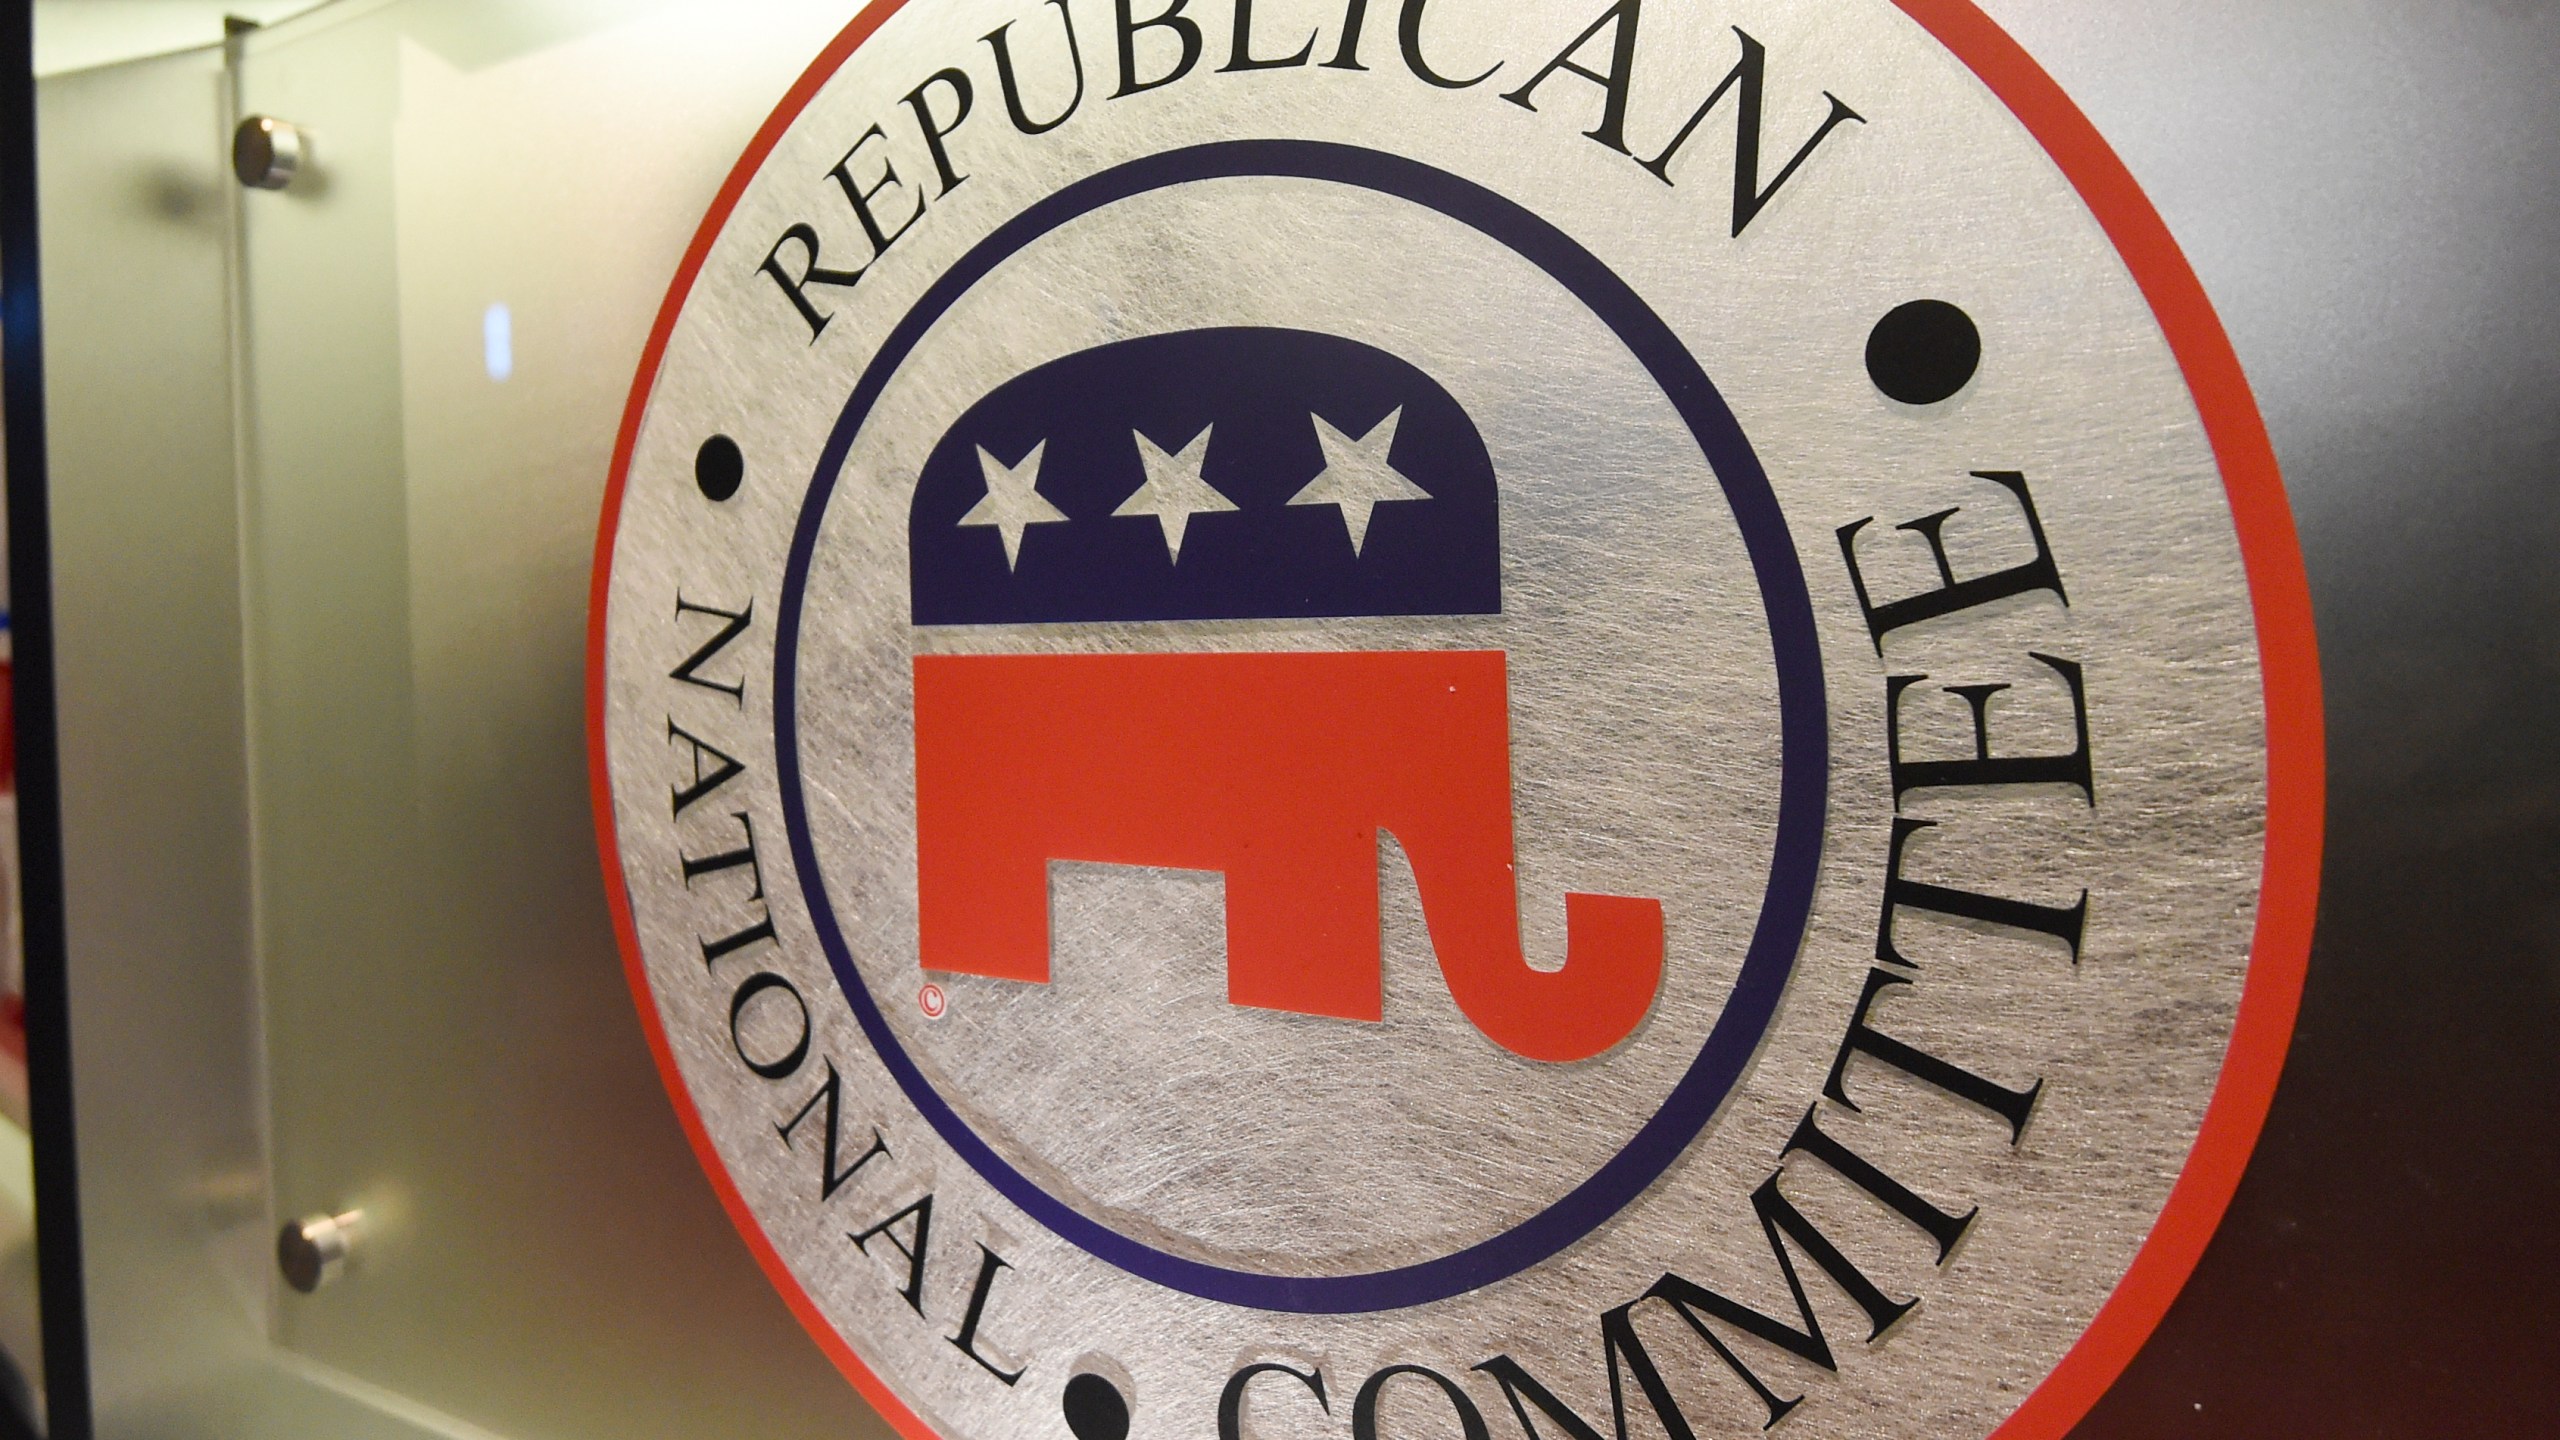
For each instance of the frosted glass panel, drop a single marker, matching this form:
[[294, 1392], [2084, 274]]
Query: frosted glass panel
[[442, 317]]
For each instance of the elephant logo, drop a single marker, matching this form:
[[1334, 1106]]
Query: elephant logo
[[1238, 474]]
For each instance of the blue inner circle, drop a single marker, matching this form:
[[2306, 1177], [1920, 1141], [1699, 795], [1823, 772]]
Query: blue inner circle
[[1803, 729]]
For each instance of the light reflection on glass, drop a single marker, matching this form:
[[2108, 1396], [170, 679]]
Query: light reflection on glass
[[498, 341]]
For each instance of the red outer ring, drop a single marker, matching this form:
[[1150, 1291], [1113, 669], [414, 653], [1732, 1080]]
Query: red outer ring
[[2288, 658], [2289, 668]]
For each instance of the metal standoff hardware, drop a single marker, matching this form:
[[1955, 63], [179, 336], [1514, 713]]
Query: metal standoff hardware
[[266, 152], [313, 1250]]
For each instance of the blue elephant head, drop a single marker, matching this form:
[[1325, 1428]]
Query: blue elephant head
[[1231, 473]]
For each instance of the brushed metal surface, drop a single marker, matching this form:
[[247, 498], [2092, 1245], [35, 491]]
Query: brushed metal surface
[[1312, 1153]]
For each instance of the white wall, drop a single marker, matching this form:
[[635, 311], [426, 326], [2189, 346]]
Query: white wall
[[80, 34]]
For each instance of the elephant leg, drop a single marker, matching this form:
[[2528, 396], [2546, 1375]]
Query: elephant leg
[[979, 918], [982, 861], [1302, 923]]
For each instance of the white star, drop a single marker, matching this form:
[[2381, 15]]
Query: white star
[[1356, 475], [1174, 491], [1013, 503]]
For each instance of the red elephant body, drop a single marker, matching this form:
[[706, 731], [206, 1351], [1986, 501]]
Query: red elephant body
[[1278, 770]]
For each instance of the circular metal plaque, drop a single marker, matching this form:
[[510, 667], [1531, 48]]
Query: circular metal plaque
[[1454, 718]]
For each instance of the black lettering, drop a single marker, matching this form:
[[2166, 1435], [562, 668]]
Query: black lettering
[[967, 1340], [1346, 56], [1612, 129], [1952, 594], [2066, 923], [914, 1251], [1240, 54], [1364, 1407], [813, 273], [957, 81], [1944, 1228], [1618, 1341], [1186, 30], [704, 783], [1622, 1351], [1747, 78], [831, 1179], [2013, 1106], [1986, 768], [728, 860], [1012, 86], [1409, 36], [860, 196], [1781, 1221], [748, 989], [1231, 1399], [714, 950], [690, 671]]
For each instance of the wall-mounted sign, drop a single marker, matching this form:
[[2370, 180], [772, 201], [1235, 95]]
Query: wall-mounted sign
[[1454, 718]]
